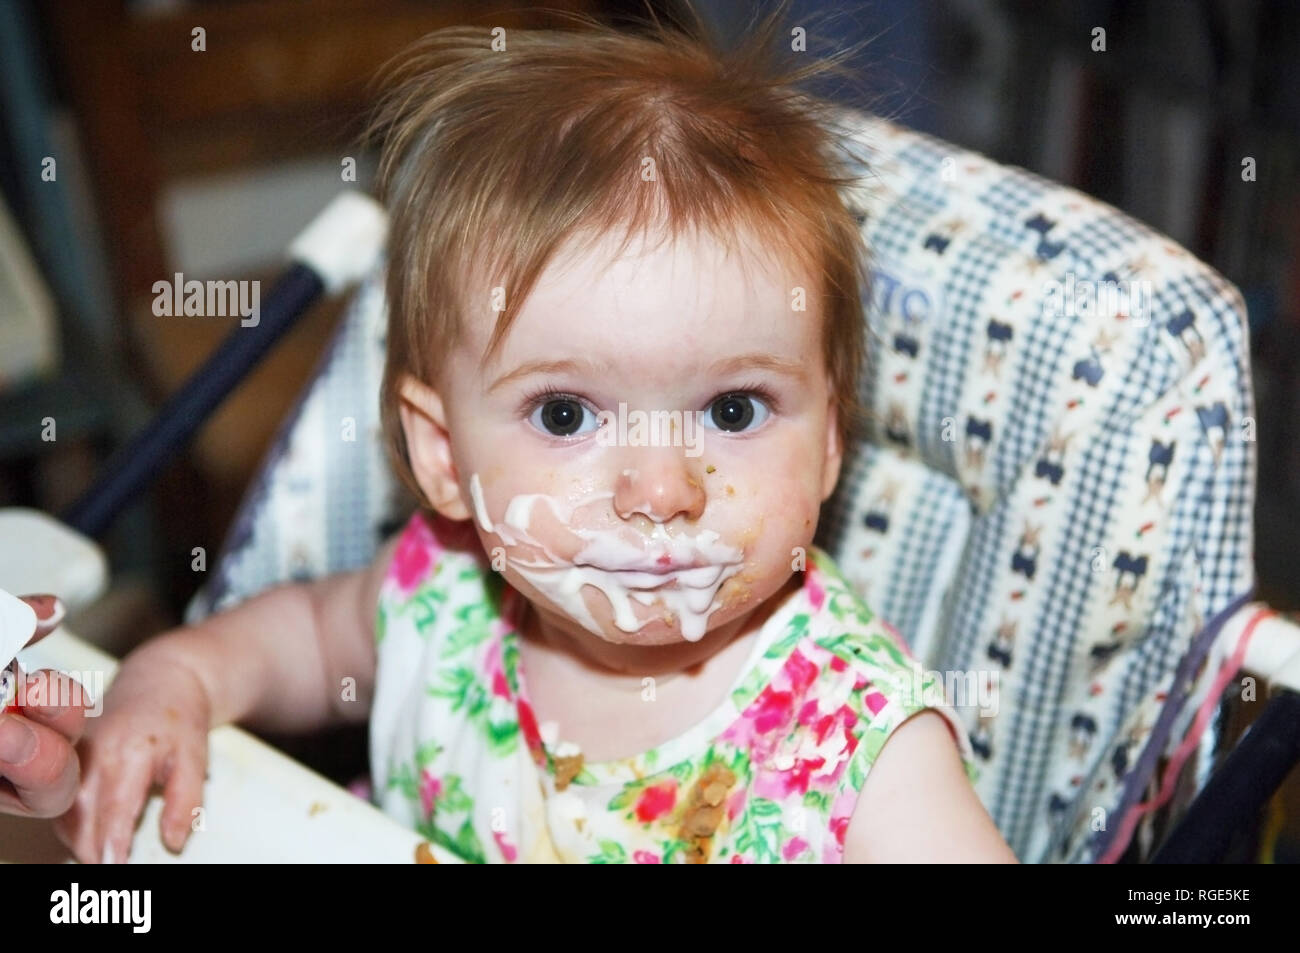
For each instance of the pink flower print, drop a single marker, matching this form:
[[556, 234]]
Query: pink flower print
[[841, 814], [793, 848], [495, 671], [824, 724], [528, 727], [771, 710], [508, 850], [430, 790], [656, 801], [645, 857], [737, 859], [874, 701], [839, 826], [801, 671], [413, 556], [816, 591], [735, 803]]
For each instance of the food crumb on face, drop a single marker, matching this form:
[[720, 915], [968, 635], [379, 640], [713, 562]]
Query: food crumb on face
[[710, 468], [731, 490]]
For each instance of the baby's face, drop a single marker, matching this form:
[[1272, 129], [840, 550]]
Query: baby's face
[[645, 455]]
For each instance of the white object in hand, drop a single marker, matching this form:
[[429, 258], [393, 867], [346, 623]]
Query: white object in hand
[[17, 625]]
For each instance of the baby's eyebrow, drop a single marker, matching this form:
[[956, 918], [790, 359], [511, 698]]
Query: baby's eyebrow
[[566, 366], [766, 362], [728, 365]]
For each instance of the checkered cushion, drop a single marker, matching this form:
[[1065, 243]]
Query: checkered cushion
[[1051, 503], [1107, 459]]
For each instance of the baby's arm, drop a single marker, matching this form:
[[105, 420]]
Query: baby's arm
[[275, 663], [917, 805]]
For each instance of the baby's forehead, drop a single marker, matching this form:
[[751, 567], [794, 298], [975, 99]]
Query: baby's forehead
[[684, 296], [699, 272]]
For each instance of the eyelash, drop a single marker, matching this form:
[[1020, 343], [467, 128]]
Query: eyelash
[[546, 393]]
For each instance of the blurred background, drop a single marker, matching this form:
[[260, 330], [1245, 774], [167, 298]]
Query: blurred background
[[168, 158]]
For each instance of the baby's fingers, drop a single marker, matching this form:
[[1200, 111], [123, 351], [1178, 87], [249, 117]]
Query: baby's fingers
[[122, 797], [183, 797]]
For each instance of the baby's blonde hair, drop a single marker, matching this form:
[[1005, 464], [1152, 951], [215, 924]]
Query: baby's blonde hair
[[493, 159]]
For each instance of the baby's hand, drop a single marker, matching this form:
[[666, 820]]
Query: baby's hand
[[154, 730]]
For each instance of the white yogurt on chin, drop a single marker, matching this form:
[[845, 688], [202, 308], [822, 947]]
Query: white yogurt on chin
[[613, 564]]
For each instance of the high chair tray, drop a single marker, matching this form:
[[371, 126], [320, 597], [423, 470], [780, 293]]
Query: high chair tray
[[259, 805]]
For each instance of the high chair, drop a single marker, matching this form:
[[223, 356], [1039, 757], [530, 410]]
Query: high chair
[[1053, 506]]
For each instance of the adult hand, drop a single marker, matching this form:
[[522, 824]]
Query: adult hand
[[39, 770]]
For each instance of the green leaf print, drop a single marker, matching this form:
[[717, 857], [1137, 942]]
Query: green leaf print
[[453, 797], [403, 778], [682, 772], [510, 663], [817, 800], [465, 844], [425, 754], [502, 736], [466, 691], [759, 827], [475, 627], [878, 649], [423, 606], [671, 849], [858, 770], [845, 606], [796, 629], [629, 792], [611, 852], [462, 688], [749, 688]]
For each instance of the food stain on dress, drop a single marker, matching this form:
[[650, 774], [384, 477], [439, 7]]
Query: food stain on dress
[[703, 812]]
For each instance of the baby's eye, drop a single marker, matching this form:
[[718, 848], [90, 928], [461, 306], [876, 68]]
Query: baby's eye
[[733, 413], [562, 417]]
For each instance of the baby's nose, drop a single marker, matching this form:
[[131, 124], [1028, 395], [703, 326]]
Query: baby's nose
[[660, 483]]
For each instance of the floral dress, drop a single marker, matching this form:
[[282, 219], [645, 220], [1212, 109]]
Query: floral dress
[[772, 775]]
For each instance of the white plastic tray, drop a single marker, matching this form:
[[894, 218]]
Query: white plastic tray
[[260, 806]]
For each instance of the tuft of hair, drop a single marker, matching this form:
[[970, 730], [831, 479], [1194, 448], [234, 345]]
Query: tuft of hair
[[495, 159]]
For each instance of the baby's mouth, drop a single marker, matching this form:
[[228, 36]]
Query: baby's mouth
[[693, 576]]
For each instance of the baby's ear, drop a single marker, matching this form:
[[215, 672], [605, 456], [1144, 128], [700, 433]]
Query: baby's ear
[[428, 448], [834, 451]]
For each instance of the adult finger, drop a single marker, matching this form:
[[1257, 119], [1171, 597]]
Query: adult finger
[[40, 765], [50, 612], [55, 699]]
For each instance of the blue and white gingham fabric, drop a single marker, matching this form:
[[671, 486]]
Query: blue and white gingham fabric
[[1050, 507]]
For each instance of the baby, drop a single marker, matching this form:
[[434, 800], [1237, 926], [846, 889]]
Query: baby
[[625, 334]]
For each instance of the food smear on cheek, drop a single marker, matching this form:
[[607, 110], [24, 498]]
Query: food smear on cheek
[[620, 568]]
